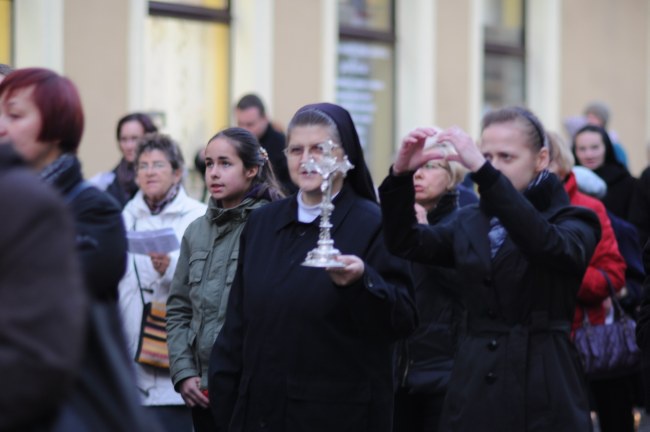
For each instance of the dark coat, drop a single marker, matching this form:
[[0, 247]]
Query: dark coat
[[621, 190], [426, 358], [42, 298], [640, 211], [516, 369], [121, 195], [274, 142], [643, 328], [101, 238], [298, 353]]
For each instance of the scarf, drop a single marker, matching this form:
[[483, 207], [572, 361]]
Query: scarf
[[51, 173], [498, 233], [157, 206]]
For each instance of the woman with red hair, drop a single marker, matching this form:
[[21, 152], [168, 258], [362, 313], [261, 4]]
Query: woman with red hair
[[42, 116]]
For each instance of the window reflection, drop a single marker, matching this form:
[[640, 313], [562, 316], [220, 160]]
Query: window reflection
[[505, 57], [365, 88], [366, 14]]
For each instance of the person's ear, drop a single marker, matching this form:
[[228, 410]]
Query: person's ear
[[543, 160], [251, 172]]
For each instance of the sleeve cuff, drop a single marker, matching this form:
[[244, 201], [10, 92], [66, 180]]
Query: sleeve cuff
[[486, 176]]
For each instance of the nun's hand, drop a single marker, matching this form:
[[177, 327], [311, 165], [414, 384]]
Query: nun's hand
[[411, 154], [468, 152], [352, 272]]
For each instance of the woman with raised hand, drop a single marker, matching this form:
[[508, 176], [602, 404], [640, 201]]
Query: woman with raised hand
[[240, 179], [311, 349], [520, 256]]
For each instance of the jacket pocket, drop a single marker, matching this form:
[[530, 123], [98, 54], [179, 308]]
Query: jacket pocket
[[197, 265], [232, 265], [327, 406]]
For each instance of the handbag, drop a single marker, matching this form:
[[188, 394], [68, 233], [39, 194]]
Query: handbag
[[608, 350], [152, 345]]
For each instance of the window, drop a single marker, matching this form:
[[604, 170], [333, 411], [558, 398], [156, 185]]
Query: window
[[187, 73], [365, 84], [505, 55]]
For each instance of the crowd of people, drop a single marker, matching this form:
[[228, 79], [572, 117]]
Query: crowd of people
[[449, 308]]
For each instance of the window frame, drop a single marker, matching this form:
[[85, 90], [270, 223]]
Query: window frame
[[191, 12]]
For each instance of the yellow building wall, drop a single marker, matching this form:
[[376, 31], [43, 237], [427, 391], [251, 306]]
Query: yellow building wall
[[95, 58], [5, 32], [298, 63], [605, 58], [454, 74]]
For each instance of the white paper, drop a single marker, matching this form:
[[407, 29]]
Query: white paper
[[156, 241]]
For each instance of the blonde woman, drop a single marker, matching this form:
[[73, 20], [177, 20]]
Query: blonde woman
[[425, 359]]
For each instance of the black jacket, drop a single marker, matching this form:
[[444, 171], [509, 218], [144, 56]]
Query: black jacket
[[101, 238], [426, 358], [516, 369], [296, 352], [118, 192], [640, 211], [621, 189], [643, 328]]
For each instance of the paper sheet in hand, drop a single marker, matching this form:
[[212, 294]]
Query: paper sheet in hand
[[157, 241]]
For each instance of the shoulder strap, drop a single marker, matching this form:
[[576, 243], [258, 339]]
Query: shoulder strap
[[137, 274], [618, 309], [75, 191]]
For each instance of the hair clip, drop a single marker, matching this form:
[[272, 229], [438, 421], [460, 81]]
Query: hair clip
[[264, 155]]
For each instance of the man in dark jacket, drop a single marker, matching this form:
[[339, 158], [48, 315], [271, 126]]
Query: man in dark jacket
[[251, 115], [42, 299]]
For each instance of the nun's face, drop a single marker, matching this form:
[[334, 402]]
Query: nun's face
[[590, 149], [304, 144]]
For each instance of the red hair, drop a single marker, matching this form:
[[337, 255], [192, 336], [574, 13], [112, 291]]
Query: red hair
[[57, 100]]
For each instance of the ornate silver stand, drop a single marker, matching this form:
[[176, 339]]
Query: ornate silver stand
[[324, 255]]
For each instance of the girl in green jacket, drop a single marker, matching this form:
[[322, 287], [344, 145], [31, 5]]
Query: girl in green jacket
[[240, 179]]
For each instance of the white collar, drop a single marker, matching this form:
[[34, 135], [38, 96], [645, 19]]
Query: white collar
[[308, 213]]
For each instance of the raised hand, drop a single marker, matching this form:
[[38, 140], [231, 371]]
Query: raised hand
[[411, 154], [468, 152]]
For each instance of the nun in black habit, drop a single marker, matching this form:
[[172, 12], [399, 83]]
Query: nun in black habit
[[303, 348]]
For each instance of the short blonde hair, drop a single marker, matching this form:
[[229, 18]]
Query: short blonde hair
[[561, 154], [455, 169]]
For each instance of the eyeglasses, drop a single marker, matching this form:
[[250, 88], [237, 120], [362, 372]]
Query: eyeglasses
[[432, 164], [155, 166], [296, 151]]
